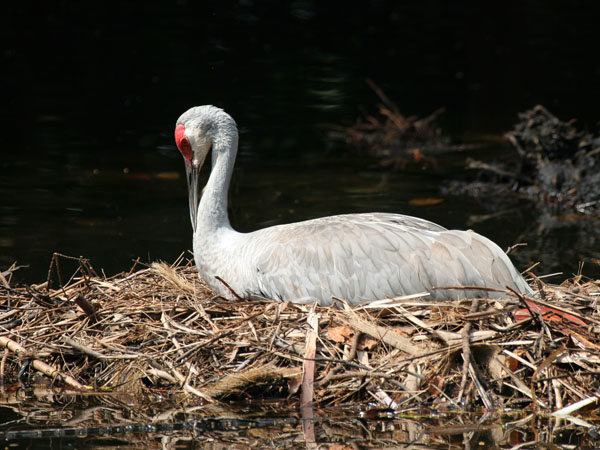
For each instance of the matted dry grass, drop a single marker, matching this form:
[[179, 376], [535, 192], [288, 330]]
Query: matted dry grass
[[161, 329]]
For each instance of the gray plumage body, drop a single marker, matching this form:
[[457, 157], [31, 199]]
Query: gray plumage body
[[357, 257]]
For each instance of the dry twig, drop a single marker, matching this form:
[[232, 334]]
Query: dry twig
[[162, 328]]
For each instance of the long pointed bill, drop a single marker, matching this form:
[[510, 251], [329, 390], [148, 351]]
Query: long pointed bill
[[192, 169]]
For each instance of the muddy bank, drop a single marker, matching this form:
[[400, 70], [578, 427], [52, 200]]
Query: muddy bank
[[556, 165]]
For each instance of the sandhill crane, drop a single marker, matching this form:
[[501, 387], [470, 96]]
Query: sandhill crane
[[356, 257]]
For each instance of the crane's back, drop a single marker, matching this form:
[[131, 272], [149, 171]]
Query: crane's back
[[363, 257]]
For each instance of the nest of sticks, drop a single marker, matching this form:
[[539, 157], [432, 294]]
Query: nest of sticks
[[161, 329]]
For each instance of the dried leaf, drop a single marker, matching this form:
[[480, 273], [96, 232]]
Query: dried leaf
[[548, 313], [425, 201], [340, 334], [294, 383], [367, 343]]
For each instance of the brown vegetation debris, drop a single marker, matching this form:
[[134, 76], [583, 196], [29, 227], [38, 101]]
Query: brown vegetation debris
[[557, 165], [394, 138], [161, 329]]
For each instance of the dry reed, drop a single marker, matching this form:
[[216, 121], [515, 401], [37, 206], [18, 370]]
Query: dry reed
[[162, 329]]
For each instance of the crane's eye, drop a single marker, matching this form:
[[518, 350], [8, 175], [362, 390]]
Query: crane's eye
[[185, 148], [183, 143]]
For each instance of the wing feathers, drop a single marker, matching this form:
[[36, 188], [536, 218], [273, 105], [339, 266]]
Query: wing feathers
[[369, 256]]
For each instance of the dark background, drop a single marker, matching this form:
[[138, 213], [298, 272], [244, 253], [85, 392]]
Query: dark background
[[91, 92]]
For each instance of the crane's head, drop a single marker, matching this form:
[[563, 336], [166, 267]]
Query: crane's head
[[198, 130]]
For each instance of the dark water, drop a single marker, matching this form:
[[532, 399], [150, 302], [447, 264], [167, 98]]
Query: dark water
[[95, 422], [92, 92]]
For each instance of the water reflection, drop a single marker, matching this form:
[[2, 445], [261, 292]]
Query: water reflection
[[81, 110], [117, 212], [46, 418]]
